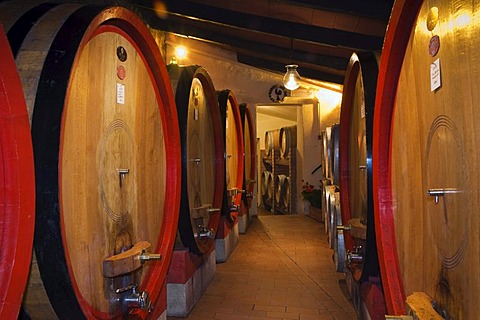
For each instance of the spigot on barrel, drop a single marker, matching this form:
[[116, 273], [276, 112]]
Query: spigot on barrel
[[133, 299], [234, 208], [234, 192], [204, 232], [355, 256]]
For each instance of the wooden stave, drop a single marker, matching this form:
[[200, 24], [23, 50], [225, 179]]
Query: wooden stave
[[288, 140], [225, 98], [250, 172], [87, 20], [326, 135], [362, 67], [272, 142], [182, 78], [270, 187], [18, 186], [286, 192], [330, 191], [264, 183], [282, 190], [323, 185], [333, 197], [334, 159], [338, 237]]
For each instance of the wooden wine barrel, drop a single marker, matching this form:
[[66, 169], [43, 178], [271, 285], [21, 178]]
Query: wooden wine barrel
[[334, 208], [323, 185], [356, 134], [250, 141], [326, 135], [272, 142], [282, 191], [285, 193], [334, 159], [234, 148], [339, 252], [288, 141], [17, 186], [202, 156], [264, 183], [425, 152], [328, 190], [329, 218], [107, 160], [270, 188]]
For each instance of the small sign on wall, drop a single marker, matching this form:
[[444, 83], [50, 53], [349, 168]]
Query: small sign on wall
[[435, 75]]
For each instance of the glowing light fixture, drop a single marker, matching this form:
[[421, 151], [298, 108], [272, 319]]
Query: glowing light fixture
[[180, 52], [291, 79]]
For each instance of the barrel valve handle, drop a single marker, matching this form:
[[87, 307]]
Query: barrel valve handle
[[344, 228], [234, 192], [440, 192], [122, 174], [145, 256], [134, 299], [196, 160]]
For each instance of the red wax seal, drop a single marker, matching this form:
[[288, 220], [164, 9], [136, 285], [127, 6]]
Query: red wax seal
[[434, 46], [121, 72]]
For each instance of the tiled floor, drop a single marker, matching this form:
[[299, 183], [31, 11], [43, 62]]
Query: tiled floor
[[281, 268]]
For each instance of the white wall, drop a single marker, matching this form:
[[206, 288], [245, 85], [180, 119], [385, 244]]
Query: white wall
[[311, 151]]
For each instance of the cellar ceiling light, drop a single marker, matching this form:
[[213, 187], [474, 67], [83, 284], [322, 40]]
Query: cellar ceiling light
[[291, 79], [180, 52]]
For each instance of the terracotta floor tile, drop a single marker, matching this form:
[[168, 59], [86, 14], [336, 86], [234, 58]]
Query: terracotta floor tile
[[269, 308], [229, 316], [284, 315], [311, 311]]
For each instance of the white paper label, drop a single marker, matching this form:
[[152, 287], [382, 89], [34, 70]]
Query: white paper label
[[435, 76], [195, 114], [120, 93]]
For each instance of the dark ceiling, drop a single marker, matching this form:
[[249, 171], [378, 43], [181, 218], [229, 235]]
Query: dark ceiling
[[318, 35]]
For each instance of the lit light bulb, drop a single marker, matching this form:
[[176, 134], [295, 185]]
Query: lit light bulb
[[181, 52], [291, 79]]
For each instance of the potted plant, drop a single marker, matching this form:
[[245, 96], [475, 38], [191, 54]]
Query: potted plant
[[313, 195]]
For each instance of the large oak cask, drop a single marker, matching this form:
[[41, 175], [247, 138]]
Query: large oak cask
[[234, 149], [425, 158], [107, 161], [203, 167], [356, 134], [17, 186]]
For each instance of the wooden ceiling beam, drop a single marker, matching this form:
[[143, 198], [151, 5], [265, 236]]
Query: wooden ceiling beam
[[327, 36], [182, 27], [265, 64]]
